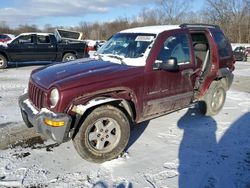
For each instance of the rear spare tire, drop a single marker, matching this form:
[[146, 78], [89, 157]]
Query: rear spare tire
[[103, 135]]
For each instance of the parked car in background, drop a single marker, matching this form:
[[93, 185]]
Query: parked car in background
[[42, 47], [6, 37], [242, 53], [137, 75], [94, 45], [247, 54], [101, 42]]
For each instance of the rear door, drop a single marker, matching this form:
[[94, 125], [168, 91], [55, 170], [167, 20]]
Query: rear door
[[221, 56], [46, 48], [165, 90]]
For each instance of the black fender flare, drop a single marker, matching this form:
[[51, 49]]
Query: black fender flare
[[226, 76]]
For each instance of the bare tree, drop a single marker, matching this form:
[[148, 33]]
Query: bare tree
[[232, 16], [172, 11], [148, 17], [28, 28], [49, 28], [248, 10], [4, 28], [84, 28]]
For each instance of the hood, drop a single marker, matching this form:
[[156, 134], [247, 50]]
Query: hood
[[85, 71]]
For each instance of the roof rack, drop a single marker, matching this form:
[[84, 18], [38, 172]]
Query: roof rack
[[199, 25]]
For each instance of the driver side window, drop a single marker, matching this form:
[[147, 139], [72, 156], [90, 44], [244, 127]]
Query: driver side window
[[25, 39], [175, 46]]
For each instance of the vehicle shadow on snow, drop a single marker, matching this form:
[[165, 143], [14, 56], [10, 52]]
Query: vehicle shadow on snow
[[136, 132], [101, 184], [28, 64], [204, 162]]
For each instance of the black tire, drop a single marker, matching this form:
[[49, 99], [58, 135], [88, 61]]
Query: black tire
[[103, 135], [69, 57], [248, 58], [244, 58], [214, 99], [3, 62]]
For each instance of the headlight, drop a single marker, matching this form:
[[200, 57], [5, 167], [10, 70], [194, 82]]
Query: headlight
[[54, 97]]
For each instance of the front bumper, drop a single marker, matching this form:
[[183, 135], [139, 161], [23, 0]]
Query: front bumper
[[35, 118]]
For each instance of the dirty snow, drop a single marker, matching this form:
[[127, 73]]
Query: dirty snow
[[182, 149]]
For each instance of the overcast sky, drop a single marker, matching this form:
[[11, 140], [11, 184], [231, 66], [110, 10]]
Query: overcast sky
[[70, 12]]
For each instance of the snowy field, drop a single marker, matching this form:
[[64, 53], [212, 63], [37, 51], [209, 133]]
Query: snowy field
[[182, 149]]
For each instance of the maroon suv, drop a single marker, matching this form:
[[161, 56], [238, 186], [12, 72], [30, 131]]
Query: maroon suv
[[138, 74]]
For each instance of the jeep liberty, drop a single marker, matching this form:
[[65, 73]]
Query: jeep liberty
[[137, 75]]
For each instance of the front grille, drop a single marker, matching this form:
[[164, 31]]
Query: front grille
[[36, 95]]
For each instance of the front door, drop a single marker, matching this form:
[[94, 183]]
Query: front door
[[166, 91], [22, 48]]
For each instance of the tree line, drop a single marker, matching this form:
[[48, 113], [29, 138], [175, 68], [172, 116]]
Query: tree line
[[232, 16]]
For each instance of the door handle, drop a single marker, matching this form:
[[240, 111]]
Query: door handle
[[187, 72]]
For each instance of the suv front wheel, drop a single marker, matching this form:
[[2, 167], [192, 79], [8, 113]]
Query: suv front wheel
[[103, 135], [3, 62], [214, 99]]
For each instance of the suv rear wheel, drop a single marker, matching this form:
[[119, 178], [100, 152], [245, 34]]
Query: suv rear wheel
[[69, 57], [103, 135], [214, 99], [244, 58]]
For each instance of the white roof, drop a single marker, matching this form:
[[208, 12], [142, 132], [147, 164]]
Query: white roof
[[24, 34], [45, 34], [151, 29]]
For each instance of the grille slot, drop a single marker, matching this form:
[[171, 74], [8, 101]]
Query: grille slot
[[36, 95]]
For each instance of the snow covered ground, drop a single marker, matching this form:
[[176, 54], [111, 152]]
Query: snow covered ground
[[182, 149]]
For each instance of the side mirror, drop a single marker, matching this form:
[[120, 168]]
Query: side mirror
[[170, 64]]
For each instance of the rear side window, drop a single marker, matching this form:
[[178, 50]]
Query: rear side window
[[43, 39], [222, 44]]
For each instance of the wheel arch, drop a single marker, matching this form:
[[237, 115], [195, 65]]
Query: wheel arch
[[83, 110], [226, 77], [69, 52], [5, 55], [126, 106]]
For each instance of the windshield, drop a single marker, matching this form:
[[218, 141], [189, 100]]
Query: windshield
[[127, 45]]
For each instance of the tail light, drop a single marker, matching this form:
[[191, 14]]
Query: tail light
[[91, 48]]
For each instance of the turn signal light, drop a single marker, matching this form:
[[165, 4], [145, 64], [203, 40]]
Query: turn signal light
[[53, 123]]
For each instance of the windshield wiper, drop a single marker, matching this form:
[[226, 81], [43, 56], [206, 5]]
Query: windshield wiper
[[117, 57], [99, 56]]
